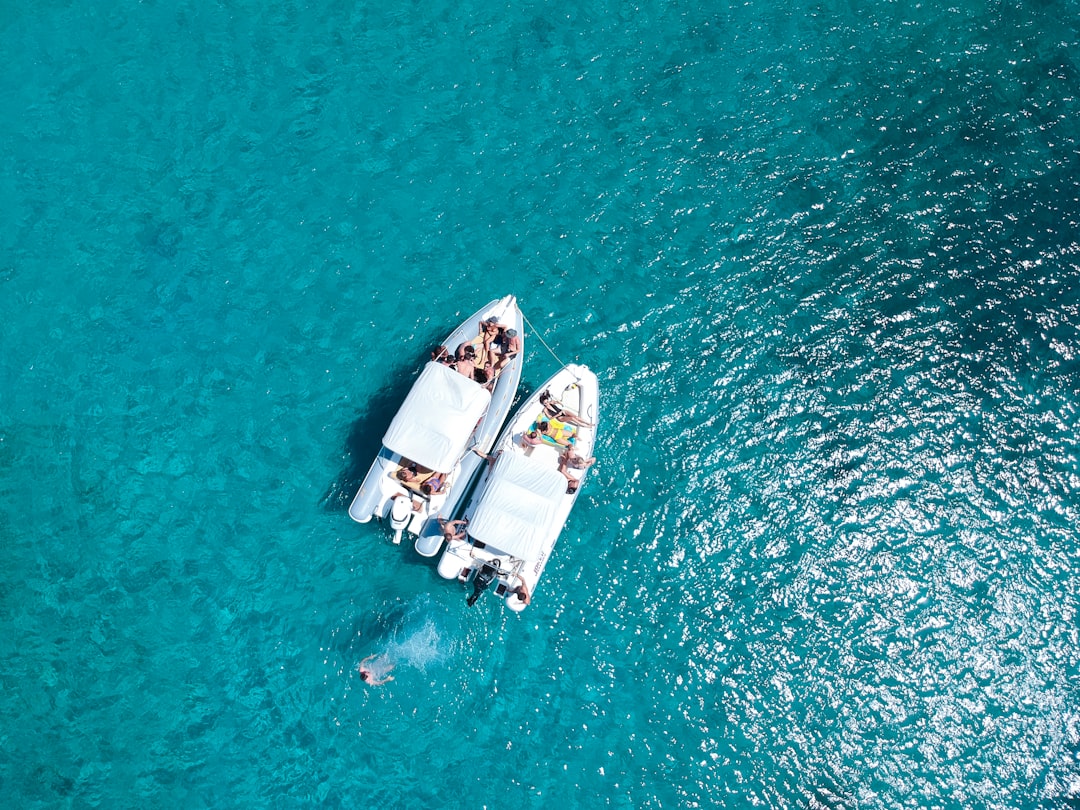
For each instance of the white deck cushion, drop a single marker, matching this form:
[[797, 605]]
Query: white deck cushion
[[435, 421], [519, 509]]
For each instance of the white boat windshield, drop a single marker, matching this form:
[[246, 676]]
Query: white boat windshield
[[437, 418], [519, 511]]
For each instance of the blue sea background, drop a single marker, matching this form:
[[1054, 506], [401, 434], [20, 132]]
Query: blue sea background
[[824, 258]]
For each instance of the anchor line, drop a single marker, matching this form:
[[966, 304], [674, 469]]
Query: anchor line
[[540, 337]]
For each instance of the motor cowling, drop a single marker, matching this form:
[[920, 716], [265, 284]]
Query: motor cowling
[[400, 514], [487, 574]]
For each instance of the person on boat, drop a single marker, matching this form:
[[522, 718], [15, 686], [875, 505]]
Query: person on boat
[[440, 354], [522, 592], [412, 473], [490, 328], [489, 458], [420, 479], [453, 529], [508, 345], [570, 460], [553, 409], [466, 360], [375, 669], [489, 341], [531, 437], [557, 433], [434, 484]]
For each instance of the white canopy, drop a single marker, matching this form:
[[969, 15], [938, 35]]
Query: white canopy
[[437, 418], [519, 509]]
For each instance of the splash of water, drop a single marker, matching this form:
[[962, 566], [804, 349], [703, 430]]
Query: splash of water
[[417, 639]]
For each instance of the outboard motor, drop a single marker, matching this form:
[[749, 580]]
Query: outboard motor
[[483, 579], [401, 513]]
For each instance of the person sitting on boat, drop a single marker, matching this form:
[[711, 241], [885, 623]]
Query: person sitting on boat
[[539, 433], [490, 328], [453, 529], [553, 409], [508, 345], [487, 341], [571, 460], [488, 457], [440, 354], [466, 360]]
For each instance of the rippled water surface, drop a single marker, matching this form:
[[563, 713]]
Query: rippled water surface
[[824, 259]]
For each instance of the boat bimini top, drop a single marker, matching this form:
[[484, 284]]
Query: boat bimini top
[[437, 419], [518, 514]]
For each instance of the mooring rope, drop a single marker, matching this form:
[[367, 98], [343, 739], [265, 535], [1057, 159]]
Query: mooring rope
[[540, 337]]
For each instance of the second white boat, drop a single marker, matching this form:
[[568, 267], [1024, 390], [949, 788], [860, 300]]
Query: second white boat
[[524, 496]]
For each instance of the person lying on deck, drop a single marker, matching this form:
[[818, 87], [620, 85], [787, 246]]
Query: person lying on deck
[[531, 438], [434, 485], [412, 473], [440, 354], [421, 479], [555, 432], [553, 409]]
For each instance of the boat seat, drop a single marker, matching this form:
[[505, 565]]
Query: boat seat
[[543, 452]]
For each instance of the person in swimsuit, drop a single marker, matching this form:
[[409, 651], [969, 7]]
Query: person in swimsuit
[[522, 593], [553, 409], [375, 670], [570, 460], [420, 479], [558, 433], [412, 474], [539, 433], [493, 339], [509, 346], [434, 484], [531, 438], [466, 360], [452, 529], [490, 328]]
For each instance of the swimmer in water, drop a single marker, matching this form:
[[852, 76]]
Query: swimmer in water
[[375, 673]]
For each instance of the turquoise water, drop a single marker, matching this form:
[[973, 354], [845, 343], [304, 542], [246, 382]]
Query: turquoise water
[[824, 258]]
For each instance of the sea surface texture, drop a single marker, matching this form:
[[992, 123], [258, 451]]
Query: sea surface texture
[[823, 255]]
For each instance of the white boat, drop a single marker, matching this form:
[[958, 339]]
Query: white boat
[[526, 491], [444, 416]]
